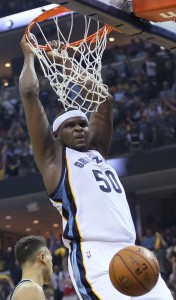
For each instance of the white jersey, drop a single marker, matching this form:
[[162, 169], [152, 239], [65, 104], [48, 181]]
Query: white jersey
[[92, 200], [96, 223]]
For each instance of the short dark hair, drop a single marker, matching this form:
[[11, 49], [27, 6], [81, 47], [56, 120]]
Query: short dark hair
[[26, 248]]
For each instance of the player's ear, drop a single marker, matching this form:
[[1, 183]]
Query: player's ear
[[42, 257], [56, 135]]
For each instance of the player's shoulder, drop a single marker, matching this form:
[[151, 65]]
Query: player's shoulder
[[29, 291]]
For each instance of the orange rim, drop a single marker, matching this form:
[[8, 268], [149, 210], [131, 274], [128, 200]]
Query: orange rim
[[56, 11]]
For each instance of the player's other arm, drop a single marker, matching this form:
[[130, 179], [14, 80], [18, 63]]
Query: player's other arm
[[101, 126], [29, 291], [43, 143]]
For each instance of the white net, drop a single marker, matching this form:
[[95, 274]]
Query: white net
[[74, 70]]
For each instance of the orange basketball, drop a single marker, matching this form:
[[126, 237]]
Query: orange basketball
[[134, 270]]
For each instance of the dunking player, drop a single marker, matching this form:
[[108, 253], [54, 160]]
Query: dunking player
[[83, 187], [36, 262]]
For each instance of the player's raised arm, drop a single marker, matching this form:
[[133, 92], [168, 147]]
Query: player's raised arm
[[101, 126], [42, 139], [101, 121]]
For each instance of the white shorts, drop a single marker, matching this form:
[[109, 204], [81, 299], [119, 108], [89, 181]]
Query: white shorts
[[88, 267]]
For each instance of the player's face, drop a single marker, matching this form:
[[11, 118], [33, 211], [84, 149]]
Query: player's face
[[74, 133]]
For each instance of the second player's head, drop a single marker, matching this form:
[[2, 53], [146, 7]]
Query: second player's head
[[32, 251]]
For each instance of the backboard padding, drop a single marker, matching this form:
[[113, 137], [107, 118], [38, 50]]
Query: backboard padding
[[125, 22]]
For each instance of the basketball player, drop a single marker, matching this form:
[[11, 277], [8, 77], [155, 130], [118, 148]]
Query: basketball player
[[36, 263], [83, 187]]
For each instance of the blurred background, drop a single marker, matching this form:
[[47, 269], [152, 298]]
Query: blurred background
[[142, 80]]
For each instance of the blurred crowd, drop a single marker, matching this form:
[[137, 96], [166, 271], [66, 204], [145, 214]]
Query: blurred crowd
[[143, 84], [162, 242], [142, 80]]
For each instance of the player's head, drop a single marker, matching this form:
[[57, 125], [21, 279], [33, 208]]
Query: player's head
[[32, 250], [71, 128]]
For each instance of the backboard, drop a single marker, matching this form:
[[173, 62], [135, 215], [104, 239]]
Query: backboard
[[123, 20]]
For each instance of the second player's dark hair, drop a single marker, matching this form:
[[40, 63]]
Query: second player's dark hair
[[27, 247]]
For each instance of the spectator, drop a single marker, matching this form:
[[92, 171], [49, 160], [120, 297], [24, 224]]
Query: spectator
[[6, 286], [2, 261], [166, 90], [68, 289], [57, 283], [149, 239]]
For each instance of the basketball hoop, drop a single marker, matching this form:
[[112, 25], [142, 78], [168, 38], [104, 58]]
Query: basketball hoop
[[84, 57]]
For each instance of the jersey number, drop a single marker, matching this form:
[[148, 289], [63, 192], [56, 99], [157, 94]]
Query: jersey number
[[106, 184]]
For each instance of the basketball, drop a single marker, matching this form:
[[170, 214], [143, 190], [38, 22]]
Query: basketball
[[134, 270]]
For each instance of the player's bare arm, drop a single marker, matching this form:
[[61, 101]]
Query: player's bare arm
[[47, 152], [101, 121], [101, 126], [29, 291]]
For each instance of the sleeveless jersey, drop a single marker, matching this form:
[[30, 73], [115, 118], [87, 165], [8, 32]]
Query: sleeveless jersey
[[17, 287], [91, 200]]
